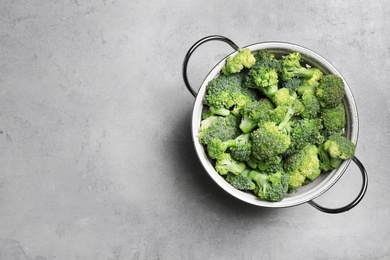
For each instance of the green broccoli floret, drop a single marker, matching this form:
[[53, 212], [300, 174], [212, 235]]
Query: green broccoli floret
[[334, 118], [305, 131], [289, 103], [311, 105], [225, 94], [219, 90], [331, 90], [266, 186], [254, 113], [264, 74], [308, 97], [303, 166], [234, 64], [242, 150], [241, 146], [292, 84], [223, 128], [271, 187], [266, 80], [268, 143], [225, 164], [327, 163], [216, 147], [241, 181], [324, 157], [292, 67], [339, 146], [310, 84]]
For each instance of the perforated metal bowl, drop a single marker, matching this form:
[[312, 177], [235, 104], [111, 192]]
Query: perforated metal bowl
[[325, 181]]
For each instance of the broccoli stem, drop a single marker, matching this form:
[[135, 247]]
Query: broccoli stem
[[221, 111], [303, 72], [247, 125], [270, 91], [284, 126]]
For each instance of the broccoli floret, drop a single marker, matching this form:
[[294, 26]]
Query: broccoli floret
[[241, 181], [220, 89], [267, 186], [292, 84], [225, 164], [334, 118], [308, 97], [234, 64], [305, 131], [327, 163], [292, 67], [340, 147], [330, 90], [271, 187], [216, 147], [289, 103], [264, 74], [324, 157], [225, 94], [310, 84], [240, 147], [303, 166], [311, 104], [268, 143], [266, 80], [254, 113], [223, 128], [242, 150]]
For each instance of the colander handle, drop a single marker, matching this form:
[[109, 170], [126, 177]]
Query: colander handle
[[355, 201], [193, 48]]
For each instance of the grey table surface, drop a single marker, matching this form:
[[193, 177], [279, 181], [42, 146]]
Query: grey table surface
[[96, 156]]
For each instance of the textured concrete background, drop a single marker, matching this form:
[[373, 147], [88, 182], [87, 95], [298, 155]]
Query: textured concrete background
[[96, 157]]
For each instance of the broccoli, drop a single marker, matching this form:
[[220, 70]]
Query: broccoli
[[339, 147], [218, 111], [223, 128], [220, 89], [242, 150], [310, 84], [241, 145], [225, 94], [264, 74], [271, 187], [307, 94], [292, 67], [225, 164], [255, 112], [292, 84], [305, 131], [292, 107], [241, 181], [266, 80], [268, 143], [311, 105], [327, 163], [216, 148], [334, 118], [330, 90], [303, 166], [234, 64]]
